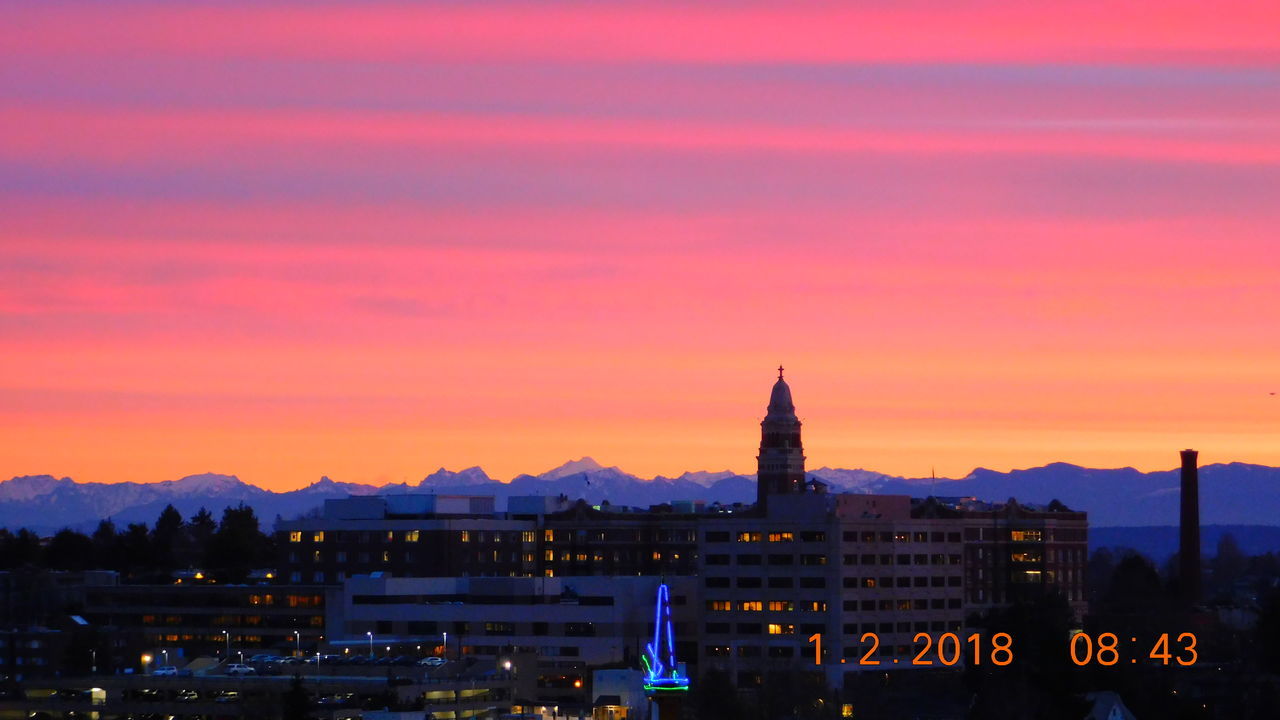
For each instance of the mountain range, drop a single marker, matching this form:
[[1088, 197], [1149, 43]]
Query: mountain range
[[1231, 494]]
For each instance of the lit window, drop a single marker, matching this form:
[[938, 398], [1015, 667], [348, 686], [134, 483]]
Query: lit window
[[780, 606], [719, 605], [466, 536], [295, 536], [782, 629], [386, 556], [548, 535], [411, 536], [528, 536], [753, 606], [781, 537], [748, 537], [318, 536]]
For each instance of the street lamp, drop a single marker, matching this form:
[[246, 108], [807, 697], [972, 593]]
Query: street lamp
[[317, 662], [297, 642], [446, 646], [93, 661], [227, 635], [165, 653], [146, 663], [370, 634]]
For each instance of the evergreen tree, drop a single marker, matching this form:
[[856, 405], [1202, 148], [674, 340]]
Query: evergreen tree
[[69, 550], [105, 545], [165, 537]]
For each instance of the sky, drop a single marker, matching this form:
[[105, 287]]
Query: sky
[[367, 240]]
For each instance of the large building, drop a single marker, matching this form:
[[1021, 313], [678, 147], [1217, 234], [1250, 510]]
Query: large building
[[860, 575]]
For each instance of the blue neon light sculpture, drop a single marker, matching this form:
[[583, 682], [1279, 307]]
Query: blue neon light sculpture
[[662, 672]]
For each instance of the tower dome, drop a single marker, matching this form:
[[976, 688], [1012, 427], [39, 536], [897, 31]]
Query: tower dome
[[780, 398]]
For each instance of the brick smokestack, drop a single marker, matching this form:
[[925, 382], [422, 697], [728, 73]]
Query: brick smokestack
[[1189, 527]]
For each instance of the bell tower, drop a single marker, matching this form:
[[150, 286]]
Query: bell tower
[[780, 469]]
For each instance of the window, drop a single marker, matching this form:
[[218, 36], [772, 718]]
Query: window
[[717, 582], [500, 628], [717, 559], [813, 536], [782, 629], [748, 559], [295, 536], [953, 537], [920, 559], [780, 582], [391, 536], [1026, 536], [718, 536], [850, 536], [717, 651], [749, 628], [920, 537], [813, 559], [813, 606], [780, 606], [867, 560], [318, 536], [781, 537], [748, 582], [781, 652], [904, 559], [411, 536], [717, 628], [850, 582], [781, 559], [903, 581], [466, 536], [719, 605], [748, 537], [748, 651], [813, 582], [752, 606], [920, 581], [580, 629], [850, 559], [868, 582]]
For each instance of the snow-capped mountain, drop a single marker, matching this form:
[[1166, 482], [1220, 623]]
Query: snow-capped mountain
[[1235, 493]]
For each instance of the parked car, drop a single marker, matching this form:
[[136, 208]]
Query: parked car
[[166, 671], [432, 661], [239, 669]]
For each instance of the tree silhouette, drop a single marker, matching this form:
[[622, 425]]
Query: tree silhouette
[[238, 545], [165, 537], [69, 550]]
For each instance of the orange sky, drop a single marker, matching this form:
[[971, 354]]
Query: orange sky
[[368, 241]]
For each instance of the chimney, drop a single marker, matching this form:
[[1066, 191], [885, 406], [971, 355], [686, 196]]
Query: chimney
[[1189, 529]]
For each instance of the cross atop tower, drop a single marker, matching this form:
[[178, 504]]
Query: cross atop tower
[[779, 372]]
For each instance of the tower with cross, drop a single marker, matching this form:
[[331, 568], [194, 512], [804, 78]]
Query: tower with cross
[[780, 464]]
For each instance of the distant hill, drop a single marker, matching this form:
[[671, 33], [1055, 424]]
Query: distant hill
[[1231, 494], [1159, 543]]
